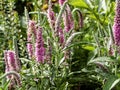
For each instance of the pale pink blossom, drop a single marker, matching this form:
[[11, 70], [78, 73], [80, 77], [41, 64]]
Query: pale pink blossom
[[39, 46], [31, 32]]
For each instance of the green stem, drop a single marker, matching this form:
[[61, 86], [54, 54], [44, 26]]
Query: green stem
[[36, 12], [111, 32], [27, 16], [79, 15], [115, 70], [9, 73], [98, 44], [16, 51]]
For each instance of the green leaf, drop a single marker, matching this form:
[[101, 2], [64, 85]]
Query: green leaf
[[111, 82], [115, 83], [25, 60], [6, 85], [1, 88], [79, 3], [88, 47], [101, 59], [102, 5], [33, 88], [64, 86]]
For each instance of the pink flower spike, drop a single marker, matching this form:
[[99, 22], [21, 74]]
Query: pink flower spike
[[30, 49], [39, 46], [32, 27], [11, 60], [61, 2], [116, 26], [12, 64], [61, 36], [31, 32], [51, 18], [68, 20]]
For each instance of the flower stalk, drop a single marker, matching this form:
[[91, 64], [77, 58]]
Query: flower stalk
[[39, 46], [116, 26], [31, 32], [12, 65]]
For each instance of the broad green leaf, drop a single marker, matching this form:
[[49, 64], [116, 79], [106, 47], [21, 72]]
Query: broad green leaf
[[88, 47], [1, 88], [92, 16], [79, 3], [76, 72], [111, 82], [115, 83], [101, 59], [24, 59]]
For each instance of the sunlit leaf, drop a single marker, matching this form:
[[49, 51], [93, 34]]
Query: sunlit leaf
[[79, 3], [88, 47]]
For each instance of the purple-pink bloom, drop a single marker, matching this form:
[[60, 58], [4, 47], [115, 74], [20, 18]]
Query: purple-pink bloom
[[30, 49], [12, 64], [31, 32], [49, 51], [61, 2], [11, 60], [39, 46], [116, 26], [40, 52], [7, 67], [32, 26], [80, 20], [68, 20], [61, 36], [51, 17]]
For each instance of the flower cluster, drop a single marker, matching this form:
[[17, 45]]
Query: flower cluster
[[61, 36], [51, 16], [37, 50], [67, 17], [68, 20], [11, 61], [11, 64], [39, 46], [116, 26], [30, 33], [61, 2]]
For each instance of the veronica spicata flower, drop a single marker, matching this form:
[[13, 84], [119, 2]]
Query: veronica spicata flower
[[31, 32], [61, 36], [116, 26], [51, 16], [11, 64], [61, 2], [39, 46], [10, 61], [67, 19]]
